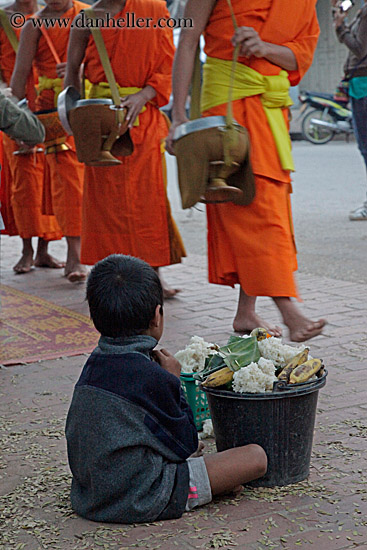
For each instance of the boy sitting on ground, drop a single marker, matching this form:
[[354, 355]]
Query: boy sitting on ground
[[132, 442]]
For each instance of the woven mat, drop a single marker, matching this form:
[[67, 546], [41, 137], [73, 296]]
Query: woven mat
[[32, 329]]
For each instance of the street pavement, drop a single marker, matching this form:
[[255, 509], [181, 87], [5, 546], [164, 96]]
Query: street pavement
[[327, 511], [329, 182]]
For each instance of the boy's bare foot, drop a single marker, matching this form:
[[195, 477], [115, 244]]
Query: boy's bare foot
[[25, 264], [234, 492], [246, 323], [76, 273], [46, 260]]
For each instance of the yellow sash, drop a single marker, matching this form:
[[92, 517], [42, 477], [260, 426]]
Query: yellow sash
[[54, 84], [273, 91], [102, 91]]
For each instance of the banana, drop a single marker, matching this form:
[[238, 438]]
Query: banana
[[260, 334], [303, 372], [295, 362], [219, 378]]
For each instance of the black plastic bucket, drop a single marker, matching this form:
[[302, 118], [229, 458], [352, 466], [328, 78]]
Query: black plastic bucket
[[281, 421]]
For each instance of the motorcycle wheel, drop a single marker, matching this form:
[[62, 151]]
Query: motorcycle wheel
[[317, 134]]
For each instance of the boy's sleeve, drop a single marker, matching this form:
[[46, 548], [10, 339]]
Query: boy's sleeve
[[20, 124], [158, 393], [172, 420]]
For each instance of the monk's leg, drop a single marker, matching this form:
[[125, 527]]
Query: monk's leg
[[25, 263], [300, 327], [66, 179], [168, 292], [44, 259], [74, 270], [246, 318]]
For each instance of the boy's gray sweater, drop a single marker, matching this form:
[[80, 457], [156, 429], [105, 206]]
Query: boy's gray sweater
[[129, 431]]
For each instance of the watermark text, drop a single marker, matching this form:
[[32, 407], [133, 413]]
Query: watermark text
[[129, 21]]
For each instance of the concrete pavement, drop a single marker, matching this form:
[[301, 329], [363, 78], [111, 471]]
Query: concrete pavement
[[326, 512]]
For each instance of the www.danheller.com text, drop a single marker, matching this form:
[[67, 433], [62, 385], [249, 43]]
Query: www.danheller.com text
[[129, 21]]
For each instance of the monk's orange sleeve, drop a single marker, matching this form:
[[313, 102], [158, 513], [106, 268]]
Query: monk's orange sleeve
[[303, 47], [160, 78]]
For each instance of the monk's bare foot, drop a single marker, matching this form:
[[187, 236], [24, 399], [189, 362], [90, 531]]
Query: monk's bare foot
[[76, 273], [300, 327], [305, 329], [46, 260], [247, 323], [168, 292], [76, 277], [25, 264]]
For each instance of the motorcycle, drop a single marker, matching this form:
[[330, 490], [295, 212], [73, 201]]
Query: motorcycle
[[327, 118]]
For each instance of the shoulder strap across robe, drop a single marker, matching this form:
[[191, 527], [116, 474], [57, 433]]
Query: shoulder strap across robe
[[9, 31], [49, 43], [105, 60], [229, 136]]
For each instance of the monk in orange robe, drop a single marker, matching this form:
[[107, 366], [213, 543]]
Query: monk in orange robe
[[6, 210], [22, 175], [253, 245], [125, 207], [63, 169]]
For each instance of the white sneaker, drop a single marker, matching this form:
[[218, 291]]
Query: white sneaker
[[359, 214]]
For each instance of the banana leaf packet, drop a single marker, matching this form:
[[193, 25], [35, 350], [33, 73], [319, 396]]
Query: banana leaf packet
[[237, 353]]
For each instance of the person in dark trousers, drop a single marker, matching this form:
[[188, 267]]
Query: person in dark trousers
[[354, 37], [131, 438]]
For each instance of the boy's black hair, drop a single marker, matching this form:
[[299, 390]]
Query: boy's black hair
[[123, 293]]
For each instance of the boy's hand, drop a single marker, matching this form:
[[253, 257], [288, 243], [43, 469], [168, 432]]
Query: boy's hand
[[167, 361], [199, 450]]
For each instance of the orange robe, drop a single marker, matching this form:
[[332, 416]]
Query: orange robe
[[64, 172], [254, 245], [125, 208], [7, 59], [22, 175], [5, 191]]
